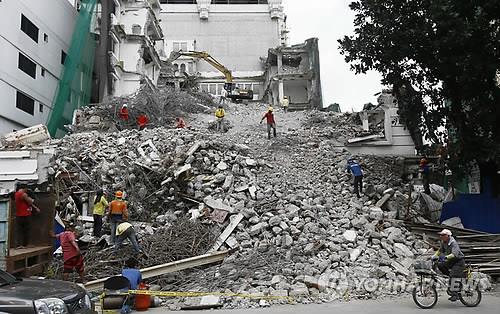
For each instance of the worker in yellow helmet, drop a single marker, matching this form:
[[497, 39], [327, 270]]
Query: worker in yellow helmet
[[220, 114]]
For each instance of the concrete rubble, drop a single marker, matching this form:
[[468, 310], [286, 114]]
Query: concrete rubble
[[288, 207]]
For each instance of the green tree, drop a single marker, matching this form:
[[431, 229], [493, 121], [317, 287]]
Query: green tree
[[442, 59]]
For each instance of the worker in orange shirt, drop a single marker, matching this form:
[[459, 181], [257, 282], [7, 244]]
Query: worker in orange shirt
[[179, 123], [142, 121], [118, 213]]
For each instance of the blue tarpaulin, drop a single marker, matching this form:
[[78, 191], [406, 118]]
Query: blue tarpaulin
[[477, 211]]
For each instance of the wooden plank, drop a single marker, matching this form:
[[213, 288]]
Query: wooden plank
[[171, 267], [227, 232]]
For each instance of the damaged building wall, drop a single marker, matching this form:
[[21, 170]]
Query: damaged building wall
[[237, 35], [383, 131], [294, 72], [133, 46]]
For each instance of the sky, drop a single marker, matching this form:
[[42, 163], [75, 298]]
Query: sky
[[330, 20]]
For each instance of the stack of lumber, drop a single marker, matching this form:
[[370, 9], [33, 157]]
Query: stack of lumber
[[481, 249]]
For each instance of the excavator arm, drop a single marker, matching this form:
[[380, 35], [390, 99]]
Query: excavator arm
[[230, 86], [205, 56]]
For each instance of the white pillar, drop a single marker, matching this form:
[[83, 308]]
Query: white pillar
[[281, 88]]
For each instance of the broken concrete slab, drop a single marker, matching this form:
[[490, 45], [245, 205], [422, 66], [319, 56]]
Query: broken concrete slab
[[217, 204], [402, 250], [383, 200], [350, 235], [235, 220], [252, 190]]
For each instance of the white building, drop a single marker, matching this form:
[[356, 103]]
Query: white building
[[237, 33], [34, 39], [136, 40]]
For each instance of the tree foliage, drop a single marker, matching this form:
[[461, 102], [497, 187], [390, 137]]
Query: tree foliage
[[442, 58]]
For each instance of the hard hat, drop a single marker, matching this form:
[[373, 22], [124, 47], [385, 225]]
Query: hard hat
[[285, 96], [124, 105], [119, 194], [445, 232], [270, 109]]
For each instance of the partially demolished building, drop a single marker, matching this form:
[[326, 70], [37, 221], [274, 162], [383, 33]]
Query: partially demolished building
[[294, 72], [384, 133]]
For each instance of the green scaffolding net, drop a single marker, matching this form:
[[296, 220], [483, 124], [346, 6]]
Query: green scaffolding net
[[75, 85]]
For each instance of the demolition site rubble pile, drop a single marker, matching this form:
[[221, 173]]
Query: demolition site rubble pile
[[301, 233], [161, 106]]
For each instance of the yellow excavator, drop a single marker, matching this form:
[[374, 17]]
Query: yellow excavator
[[233, 91]]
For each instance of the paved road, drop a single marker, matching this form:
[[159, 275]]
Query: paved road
[[489, 305]]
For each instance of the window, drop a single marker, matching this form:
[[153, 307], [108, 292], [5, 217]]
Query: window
[[45, 38], [180, 45], [42, 71], [25, 103], [29, 28], [213, 89], [63, 57], [27, 66], [40, 107], [183, 68]]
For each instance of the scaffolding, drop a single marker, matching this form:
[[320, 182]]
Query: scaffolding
[[75, 86]]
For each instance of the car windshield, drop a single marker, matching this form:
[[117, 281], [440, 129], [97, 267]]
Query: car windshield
[[6, 278]]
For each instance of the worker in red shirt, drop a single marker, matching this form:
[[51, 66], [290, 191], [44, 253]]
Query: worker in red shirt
[[179, 123], [72, 257], [24, 209], [269, 116], [124, 113], [142, 121]]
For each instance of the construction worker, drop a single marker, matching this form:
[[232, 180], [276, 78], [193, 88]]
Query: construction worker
[[271, 123], [124, 113], [72, 257], [24, 208], [179, 123], [220, 114], [118, 213], [100, 205], [450, 262], [125, 230], [425, 173], [132, 273], [222, 99], [142, 121], [354, 168], [285, 103]]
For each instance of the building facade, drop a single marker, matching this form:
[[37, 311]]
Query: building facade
[[34, 40], [130, 43], [237, 33]]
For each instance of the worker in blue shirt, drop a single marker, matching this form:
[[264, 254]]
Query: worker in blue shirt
[[132, 273], [354, 168]]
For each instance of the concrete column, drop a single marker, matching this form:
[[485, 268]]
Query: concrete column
[[364, 119], [281, 89]]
